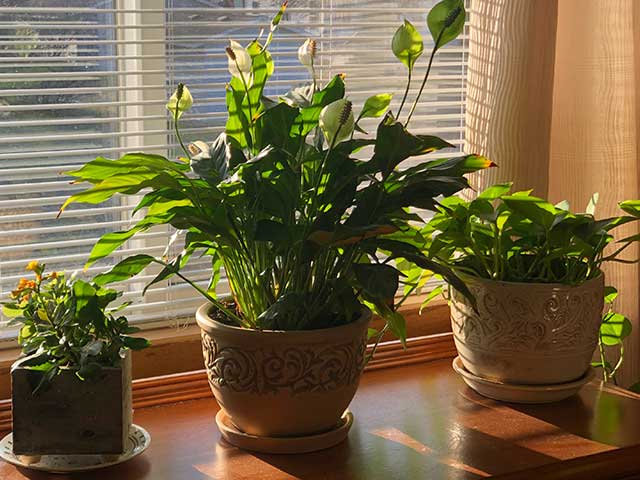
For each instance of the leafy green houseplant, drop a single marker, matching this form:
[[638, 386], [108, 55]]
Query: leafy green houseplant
[[306, 230], [75, 358], [535, 271]]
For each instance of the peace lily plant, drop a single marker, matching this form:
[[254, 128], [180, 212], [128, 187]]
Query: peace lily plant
[[307, 232]]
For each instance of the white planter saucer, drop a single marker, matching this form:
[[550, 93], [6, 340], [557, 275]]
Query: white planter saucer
[[138, 441], [309, 443], [530, 394]]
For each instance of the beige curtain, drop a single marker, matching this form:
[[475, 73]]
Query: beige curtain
[[553, 99]]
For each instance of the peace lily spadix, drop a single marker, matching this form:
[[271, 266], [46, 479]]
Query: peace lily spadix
[[307, 232], [336, 121]]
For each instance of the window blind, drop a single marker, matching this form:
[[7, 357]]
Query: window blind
[[82, 78]]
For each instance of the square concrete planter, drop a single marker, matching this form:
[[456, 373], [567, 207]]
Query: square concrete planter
[[71, 416]]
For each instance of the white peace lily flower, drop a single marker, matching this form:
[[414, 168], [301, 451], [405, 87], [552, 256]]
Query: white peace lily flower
[[239, 60], [337, 119], [307, 53], [182, 104], [199, 149]]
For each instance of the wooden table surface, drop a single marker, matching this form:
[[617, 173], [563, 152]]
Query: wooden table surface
[[412, 422]]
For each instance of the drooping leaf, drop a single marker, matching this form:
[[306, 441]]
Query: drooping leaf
[[127, 268]]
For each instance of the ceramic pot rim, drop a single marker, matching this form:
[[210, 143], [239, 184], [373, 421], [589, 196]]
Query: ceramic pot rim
[[342, 331], [466, 278]]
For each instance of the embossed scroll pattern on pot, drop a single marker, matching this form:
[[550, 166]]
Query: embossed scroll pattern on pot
[[300, 369], [529, 319]]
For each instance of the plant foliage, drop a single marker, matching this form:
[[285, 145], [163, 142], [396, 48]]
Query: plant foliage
[[305, 231], [65, 323], [517, 237]]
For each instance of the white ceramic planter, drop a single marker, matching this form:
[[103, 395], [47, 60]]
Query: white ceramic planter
[[528, 333]]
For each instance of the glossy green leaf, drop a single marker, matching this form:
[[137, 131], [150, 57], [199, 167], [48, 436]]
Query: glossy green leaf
[[127, 268], [610, 294], [632, 207], [496, 191], [376, 106], [614, 329], [379, 281]]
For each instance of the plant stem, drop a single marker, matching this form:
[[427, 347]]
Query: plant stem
[[424, 81], [406, 92], [177, 130]]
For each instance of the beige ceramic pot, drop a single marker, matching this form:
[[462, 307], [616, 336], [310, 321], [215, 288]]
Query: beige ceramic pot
[[528, 333], [283, 383]]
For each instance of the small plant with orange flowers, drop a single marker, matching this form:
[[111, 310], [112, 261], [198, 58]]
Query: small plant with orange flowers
[[65, 323]]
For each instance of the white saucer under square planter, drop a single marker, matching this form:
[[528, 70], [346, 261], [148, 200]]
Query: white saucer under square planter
[[71, 416], [527, 333], [284, 383]]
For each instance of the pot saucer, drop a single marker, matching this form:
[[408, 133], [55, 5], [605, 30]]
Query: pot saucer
[[137, 442], [515, 393], [309, 443]]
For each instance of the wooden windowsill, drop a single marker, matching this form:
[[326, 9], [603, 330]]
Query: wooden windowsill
[[177, 350], [411, 421]]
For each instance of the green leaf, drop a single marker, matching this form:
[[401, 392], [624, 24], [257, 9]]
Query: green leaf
[[377, 280], [237, 125], [25, 332], [446, 21], [108, 243], [102, 168], [12, 310], [395, 144], [135, 343], [127, 268], [272, 231], [496, 191], [308, 117], [614, 329], [632, 207], [261, 68], [376, 106], [84, 293], [539, 211], [610, 294], [397, 325], [432, 294], [407, 44], [127, 183], [274, 126]]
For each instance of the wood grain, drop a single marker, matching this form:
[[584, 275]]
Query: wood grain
[[412, 422], [194, 385], [178, 349]]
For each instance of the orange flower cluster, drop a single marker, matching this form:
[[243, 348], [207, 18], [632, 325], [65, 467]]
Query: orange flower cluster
[[23, 285]]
